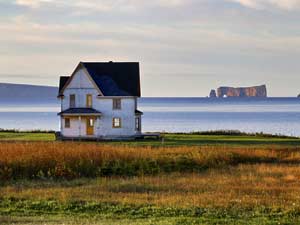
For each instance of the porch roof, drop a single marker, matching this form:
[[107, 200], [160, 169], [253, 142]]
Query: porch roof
[[138, 112], [80, 111]]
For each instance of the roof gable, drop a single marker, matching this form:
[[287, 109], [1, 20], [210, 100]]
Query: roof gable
[[81, 79], [66, 81]]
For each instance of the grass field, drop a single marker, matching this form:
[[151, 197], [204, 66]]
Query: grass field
[[26, 136], [174, 139], [189, 179]]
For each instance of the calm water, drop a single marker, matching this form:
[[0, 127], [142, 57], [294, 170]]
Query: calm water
[[272, 115]]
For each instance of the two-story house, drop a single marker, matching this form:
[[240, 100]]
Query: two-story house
[[99, 100]]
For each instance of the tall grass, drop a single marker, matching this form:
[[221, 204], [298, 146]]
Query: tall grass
[[243, 186], [74, 160]]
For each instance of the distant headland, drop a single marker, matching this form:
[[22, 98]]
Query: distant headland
[[254, 91], [24, 93]]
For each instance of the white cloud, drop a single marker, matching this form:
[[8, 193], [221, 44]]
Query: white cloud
[[132, 5], [190, 36], [102, 5], [265, 4], [32, 3]]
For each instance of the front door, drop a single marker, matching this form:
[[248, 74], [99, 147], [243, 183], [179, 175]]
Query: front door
[[90, 126]]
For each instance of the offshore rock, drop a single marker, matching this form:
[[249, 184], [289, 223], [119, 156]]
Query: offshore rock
[[213, 94], [256, 91]]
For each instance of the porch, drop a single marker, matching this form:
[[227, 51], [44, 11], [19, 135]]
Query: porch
[[80, 123]]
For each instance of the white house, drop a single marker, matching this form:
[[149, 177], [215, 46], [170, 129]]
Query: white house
[[99, 100]]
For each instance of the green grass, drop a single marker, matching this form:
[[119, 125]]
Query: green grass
[[53, 212], [173, 139], [221, 140], [26, 136]]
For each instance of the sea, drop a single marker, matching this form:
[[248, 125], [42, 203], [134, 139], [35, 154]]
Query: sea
[[268, 115]]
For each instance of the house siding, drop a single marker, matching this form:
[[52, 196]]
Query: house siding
[[126, 113], [74, 130], [81, 85]]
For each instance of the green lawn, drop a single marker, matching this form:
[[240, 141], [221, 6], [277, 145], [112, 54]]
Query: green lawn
[[26, 136], [172, 139], [220, 140], [48, 212]]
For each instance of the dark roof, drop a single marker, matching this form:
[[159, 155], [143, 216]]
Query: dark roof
[[62, 81], [80, 111], [113, 78], [138, 112]]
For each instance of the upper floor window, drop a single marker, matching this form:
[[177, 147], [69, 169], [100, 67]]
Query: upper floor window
[[72, 101], [89, 101], [116, 103]]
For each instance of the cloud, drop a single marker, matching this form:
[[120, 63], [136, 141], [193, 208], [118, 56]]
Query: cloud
[[102, 5], [266, 4], [134, 5], [193, 37], [32, 3]]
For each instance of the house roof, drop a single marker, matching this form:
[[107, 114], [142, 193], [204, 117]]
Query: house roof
[[138, 112], [112, 78], [62, 81], [83, 111]]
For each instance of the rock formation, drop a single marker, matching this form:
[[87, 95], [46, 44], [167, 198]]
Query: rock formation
[[213, 94], [257, 91]]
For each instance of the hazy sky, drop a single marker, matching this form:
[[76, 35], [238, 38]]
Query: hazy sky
[[185, 47]]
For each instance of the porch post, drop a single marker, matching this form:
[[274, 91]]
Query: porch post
[[140, 130], [61, 126], [98, 126], [79, 118]]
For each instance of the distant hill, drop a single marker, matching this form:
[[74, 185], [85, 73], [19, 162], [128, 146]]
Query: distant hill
[[23, 93]]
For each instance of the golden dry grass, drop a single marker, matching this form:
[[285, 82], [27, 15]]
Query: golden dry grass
[[74, 160], [61, 151], [227, 176], [244, 186]]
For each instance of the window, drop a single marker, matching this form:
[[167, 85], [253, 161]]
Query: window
[[72, 101], [137, 123], [67, 123], [91, 122], [116, 103], [89, 101], [116, 122]]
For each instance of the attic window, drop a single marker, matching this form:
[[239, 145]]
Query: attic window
[[116, 103]]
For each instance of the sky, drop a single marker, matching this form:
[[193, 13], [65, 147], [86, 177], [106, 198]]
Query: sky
[[185, 47]]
